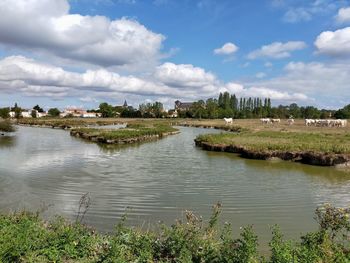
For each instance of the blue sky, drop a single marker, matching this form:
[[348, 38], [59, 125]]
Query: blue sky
[[61, 53]]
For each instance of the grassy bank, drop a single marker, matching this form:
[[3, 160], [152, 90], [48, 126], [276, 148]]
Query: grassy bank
[[137, 131], [67, 123], [319, 148], [24, 237]]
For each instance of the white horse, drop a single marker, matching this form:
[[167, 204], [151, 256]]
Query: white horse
[[228, 120], [265, 120]]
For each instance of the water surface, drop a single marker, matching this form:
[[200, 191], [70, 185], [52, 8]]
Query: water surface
[[158, 181]]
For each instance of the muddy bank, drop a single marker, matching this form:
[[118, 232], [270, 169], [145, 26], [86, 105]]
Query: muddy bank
[[138, 139], [321, 159]]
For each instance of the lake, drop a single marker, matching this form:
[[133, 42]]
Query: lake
[[158, 181]]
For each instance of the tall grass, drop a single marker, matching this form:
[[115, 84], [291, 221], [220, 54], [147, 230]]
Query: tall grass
[[24, 237], [6, 126]]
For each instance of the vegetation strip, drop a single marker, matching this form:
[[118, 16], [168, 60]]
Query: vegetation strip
[[136, 132], [24, 237], [325, 149], [68, 123]]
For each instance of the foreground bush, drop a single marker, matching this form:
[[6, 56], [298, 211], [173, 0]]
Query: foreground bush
[[6, 126], [24, 237]]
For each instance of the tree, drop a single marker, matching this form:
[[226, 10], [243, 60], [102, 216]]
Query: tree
[[212, 107], [107, 110], [343, 113], [33, 113], [18, 111], [54, 112], [198, 109], [5, 113], [37, 107]]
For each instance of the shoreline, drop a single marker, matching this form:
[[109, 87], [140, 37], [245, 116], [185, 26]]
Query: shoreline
[[305, 157]]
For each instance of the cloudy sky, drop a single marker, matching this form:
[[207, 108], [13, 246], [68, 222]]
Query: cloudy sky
[[59, 53]]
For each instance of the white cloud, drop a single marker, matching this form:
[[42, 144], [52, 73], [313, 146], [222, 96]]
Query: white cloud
[[329, 83], [260, 75], [184, 75], [227, 49], [268, 64], [33, 78], [295, 15], [334, 43], [343, 15], [27, 77], [303, 11], [47, 26], [277, 50]]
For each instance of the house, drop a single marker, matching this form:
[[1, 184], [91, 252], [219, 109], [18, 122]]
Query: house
[[73, 112], [172, 114], [183, 106]]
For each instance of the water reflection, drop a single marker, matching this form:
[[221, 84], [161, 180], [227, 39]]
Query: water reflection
[[7, 141]]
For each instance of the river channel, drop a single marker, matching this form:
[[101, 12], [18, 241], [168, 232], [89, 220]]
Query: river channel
[[158, 181]]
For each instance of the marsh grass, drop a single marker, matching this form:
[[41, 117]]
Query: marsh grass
[[133, 130], [319, 142], [6, 126]]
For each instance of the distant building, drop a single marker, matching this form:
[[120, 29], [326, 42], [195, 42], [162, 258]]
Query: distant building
[[182, 106]]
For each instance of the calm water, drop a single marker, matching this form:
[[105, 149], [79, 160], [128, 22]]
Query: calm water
[[159, 180]]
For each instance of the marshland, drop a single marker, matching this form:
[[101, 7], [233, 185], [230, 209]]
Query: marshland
[[159, 180]]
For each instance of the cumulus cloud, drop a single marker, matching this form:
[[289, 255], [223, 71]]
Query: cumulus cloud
[[329, 83], [343, 15], [24, 76], [33, 78], [184, 75], [227, 49], [334, 43], [277, 50], [47, 26]]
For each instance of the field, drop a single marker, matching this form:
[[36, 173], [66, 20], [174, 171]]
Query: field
[[313, 145]]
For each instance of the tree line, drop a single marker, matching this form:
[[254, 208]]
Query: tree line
[[226, 105], [229, 105]]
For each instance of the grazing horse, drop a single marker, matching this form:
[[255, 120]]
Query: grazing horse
[[265, 120], [290, 121], [228, 120]]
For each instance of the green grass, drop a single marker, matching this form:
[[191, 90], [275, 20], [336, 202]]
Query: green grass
[[337, 143], [25, 237], [134, 130]]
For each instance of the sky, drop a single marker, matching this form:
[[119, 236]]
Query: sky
[[60, 53]]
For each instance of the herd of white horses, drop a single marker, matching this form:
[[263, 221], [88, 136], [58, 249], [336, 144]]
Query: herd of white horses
[[308, 122]]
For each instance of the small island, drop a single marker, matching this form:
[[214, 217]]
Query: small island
[[316, 148], [133, 133]]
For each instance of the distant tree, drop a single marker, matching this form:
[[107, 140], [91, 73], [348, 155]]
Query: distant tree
[[343, 113], [107, 110], [37, 107], [212, 108], [198, 109], [5, 113], [17, 110], [54, 112], [33, 113]]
